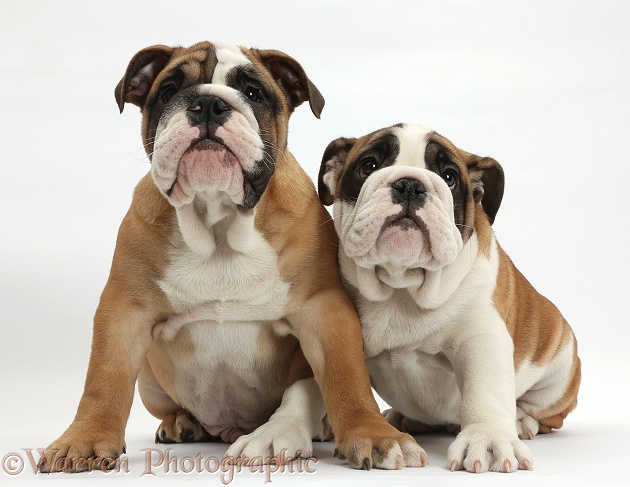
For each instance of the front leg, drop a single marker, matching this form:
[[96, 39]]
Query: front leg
[[484, 368], [289, 430], [120, 342], [330, 336]]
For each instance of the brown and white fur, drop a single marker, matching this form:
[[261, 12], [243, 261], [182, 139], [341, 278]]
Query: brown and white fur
[[224, 298], [455, 336]]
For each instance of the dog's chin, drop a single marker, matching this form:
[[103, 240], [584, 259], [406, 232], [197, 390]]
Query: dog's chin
[[404, 243], [207, 167]]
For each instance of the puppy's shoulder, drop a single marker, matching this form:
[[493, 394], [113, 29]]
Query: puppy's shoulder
[[149, 205]]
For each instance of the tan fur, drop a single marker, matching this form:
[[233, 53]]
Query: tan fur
[[130, 305], [483, 231], [553, 417], [537, 328]]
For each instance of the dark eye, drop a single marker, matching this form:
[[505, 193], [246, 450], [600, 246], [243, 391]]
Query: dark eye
[[167, 91], [450, 177], [368, 166], [253, 94]]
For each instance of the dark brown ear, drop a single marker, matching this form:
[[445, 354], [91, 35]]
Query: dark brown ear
[[488, 182], [290, 75], [140, 75], [333, 160]]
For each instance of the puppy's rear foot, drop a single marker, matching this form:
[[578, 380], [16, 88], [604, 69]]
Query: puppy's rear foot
[[407, 425], [526, 426], [180, 427]]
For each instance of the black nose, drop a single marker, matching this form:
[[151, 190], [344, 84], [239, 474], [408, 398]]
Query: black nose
[[409, 191], [208, 110]]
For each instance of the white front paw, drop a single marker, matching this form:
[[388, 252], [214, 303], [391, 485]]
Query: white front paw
[[288, 438], [481, 447]]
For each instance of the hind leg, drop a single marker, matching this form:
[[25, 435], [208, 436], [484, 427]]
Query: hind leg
[[407, 425], [412, 426], [526, 426], [178, 425], [548, 402]]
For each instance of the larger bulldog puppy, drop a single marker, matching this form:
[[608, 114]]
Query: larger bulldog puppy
[[455, 336], [224, 297]]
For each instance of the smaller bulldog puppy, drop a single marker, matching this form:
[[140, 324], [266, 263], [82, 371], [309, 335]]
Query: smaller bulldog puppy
[[455, 337]]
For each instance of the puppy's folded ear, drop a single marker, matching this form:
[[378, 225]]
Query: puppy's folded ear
[[488, 182], [288, 73], [333, 161], [140, 75]]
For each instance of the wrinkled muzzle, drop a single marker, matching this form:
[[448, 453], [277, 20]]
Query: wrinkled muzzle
[[383, 227]]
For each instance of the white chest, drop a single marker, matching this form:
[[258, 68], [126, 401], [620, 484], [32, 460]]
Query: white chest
[[247, 281], [429, 316], [233, 371], [419, 385]]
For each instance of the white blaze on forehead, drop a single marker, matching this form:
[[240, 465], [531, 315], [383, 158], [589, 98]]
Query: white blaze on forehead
[[228, 56], [412, 145]]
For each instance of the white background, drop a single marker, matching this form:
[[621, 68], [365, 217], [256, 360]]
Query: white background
[[542, 86]]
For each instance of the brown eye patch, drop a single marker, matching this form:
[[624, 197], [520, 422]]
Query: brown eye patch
[[380, 153]]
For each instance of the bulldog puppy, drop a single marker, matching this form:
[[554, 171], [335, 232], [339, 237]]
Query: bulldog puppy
[[224, 297], [455, 336]]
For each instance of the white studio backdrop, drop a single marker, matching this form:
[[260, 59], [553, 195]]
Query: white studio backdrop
[[542, 86]]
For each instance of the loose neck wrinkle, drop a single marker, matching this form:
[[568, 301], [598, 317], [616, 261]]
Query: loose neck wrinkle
[[199, 219], [429, 289]]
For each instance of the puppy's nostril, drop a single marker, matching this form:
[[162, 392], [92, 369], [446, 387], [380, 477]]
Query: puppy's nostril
[[219, 107], [210, 105], [400, 185], [409, 186]]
